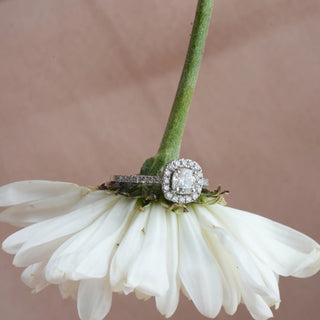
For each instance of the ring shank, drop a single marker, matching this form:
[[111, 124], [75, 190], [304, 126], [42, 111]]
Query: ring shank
[[138, 178]]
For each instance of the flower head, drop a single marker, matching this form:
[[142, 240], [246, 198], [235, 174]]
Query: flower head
[[93, 242]]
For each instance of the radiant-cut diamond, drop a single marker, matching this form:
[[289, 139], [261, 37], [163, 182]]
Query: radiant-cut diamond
[[182, 181]]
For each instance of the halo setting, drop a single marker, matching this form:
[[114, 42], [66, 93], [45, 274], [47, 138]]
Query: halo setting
[[182, 181]]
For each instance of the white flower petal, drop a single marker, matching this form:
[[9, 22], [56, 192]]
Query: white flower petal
[[87, 254], [284, 249], [198, 269], [127, 290], [128, 249], [148, 272], [260, 274], [33, 277], [309, 266], [91, 242], [30, 190], [248, 270], [271, 281], [255, 304], [94, 299], [245, 261], [230, 278], [14, 242], [36, 211], [167, 304], [141, 296], [44, 237], [69, 289], [184, 291]]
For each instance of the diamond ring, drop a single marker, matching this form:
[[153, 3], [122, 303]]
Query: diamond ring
[[182, 180]]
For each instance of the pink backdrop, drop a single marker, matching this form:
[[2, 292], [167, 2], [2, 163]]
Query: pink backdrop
[[86, 88]]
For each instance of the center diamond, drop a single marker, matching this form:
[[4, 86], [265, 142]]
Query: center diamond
[[182, 181]]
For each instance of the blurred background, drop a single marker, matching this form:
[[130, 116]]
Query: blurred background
[[85, 91]]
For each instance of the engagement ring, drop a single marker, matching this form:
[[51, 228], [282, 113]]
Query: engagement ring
[[182, 180]]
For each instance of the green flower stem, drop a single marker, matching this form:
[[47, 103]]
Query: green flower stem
[[171, 141]]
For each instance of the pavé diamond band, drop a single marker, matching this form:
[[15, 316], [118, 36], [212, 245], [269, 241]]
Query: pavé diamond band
[[182, 180], [137, 178]]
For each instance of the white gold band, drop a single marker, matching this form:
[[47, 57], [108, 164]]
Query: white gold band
[[138, 178]]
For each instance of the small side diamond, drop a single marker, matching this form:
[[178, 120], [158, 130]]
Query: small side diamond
[[166, 172], [199, 181], [196, 183], [169, 167], [175, 164], [183, 162], [168, 195], [175, 198], [194, 196]]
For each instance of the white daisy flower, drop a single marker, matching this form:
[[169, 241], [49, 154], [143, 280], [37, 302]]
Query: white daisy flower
[[92, 243]]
